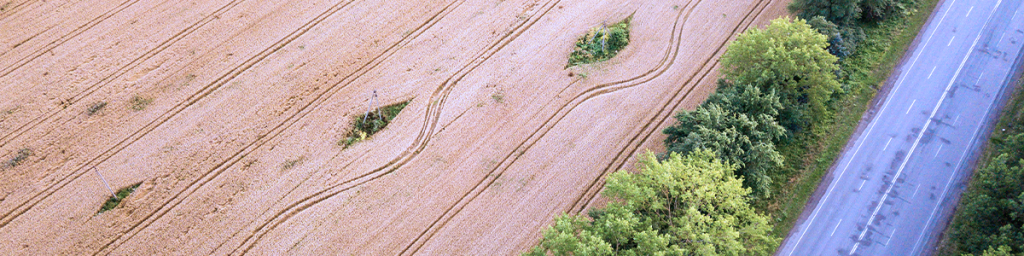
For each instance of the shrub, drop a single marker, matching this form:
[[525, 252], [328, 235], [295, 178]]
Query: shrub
[[370, 123], [19, 157], [138, 103], [95, 107], [601, 43]]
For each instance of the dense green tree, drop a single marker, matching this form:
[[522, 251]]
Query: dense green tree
[[790, 58], [688, 205], [879, 10], [738, 124], [842, 41], [992, 214], [841, 12], [1001, 251]]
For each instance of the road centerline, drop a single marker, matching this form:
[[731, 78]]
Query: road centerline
[[835, 228]]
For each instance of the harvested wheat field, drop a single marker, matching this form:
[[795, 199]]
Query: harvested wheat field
[[229, 116]]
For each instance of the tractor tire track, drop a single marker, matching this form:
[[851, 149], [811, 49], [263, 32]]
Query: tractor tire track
[[24, 128], [659, 69], [220, 168], [60, 41], [27, 205], [431, 117], [9, 10], [152, 125], [663, 114]]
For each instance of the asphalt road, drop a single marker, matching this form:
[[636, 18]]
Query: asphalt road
[[892, 191]]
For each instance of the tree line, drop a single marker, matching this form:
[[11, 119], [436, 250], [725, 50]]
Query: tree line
[[696, 199], [990, 218]]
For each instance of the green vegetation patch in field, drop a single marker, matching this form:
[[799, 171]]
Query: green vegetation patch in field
[[18, 158], [95, 107], [601, 43], [366, 125], [122, 193], [138, 103]]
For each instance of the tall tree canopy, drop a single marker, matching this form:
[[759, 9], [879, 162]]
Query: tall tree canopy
[[683, 205], [790, 58], [840, 12], [738, 124], [842, 41], [992, 211]]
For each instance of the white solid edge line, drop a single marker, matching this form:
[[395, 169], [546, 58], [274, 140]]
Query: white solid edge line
[[832, 186], [923, 130]]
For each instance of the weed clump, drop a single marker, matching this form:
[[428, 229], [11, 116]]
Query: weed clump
[[601, 43], [113, 202], [95, 107], [291, 163], [18, 158], [366, 125], [138, 103]]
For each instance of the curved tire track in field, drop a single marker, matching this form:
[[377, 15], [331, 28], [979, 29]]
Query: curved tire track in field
[[664, 113], [220, 168], [6, 218], [74, 33], [152, 125], [21, 130], [432, 115], [663, 65]]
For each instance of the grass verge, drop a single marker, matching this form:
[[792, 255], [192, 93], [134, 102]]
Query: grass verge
[[810, 154], [366, 125], [122, 193]]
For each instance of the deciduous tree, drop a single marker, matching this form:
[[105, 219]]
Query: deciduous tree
[[790, 58], [738, 124], [683, 205]]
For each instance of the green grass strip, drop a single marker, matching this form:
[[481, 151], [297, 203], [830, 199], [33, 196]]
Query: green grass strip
[[113, 202]]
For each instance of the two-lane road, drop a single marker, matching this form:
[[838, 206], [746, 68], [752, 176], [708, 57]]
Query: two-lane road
[[892, 191]]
